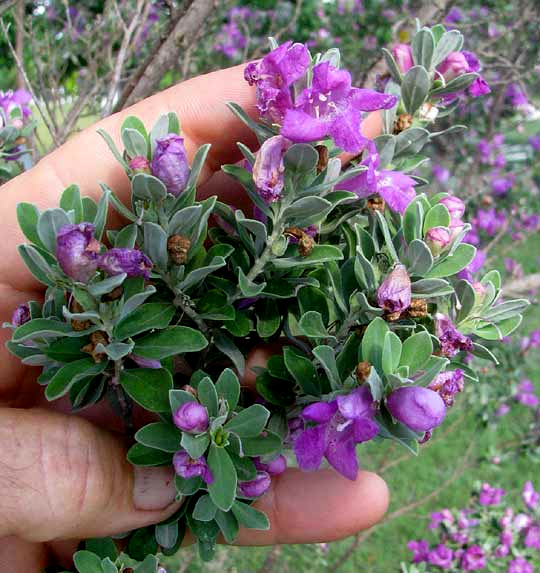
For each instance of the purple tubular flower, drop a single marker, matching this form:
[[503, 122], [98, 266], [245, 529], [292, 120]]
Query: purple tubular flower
[[76, 251], [420, 550], [257, 486], [473, 559], [438, 517], [532, 537], [188, 467], [450, 339], [340, 425], [21, 314], [145, 362], [454, 65], [394, 294], [403, 55], [394, 187], [272, 467], [441, 556], [530, 496], [170, 163], [520, 565], [191, 417], [121, 260], [268, 169], [490, 495], [437, 239], [447, 384], [479, 87], [420, 409], [274, 75], [332, 108]]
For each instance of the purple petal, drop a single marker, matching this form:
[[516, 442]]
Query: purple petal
[[345, 131], [320, 412], [370, 100], [365, 430], [341, 453], [309, 448], [357, 404], [301, 127]]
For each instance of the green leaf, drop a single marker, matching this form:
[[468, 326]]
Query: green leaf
[[449, 42], [249, 516], [434, 366], [458, 84], [500, 330], [301, 157], [179, 397], [325, 355], [133, 122], [250, 422], [225, 344], [141, 455], [110, 143], [160, 436], [107, 285], [245, 468], [228, 387], [391, 352], [71, 200], [423, 48], [416, 350], [170, 341], [208, 396], [275, 390], [419, 257], [72, 372], [320, 254], [195, 446], [414, 88], [437, 216], [149, 387], [87, 562], [311, 325], [483, 352], [37, 264], [166, 534], [228, 525], [431, 288], [204, 509], [223, 489], [268, 317], [452, 264], [155, 245], [142, 546], [302, 370], [411, 141], [103, 547], [267, 443], [134, 142], [101, 214], [412, 221], [28, 216], [146, 317], [373, 341], [307, 211], [49, 223], [188, 486], [392, 66], [248, 288]]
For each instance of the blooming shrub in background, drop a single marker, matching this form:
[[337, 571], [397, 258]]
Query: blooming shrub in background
[[489, 534]]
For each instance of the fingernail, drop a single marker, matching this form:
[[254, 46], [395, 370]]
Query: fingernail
[[153, 488]]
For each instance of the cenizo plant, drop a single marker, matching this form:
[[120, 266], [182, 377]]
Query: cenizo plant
[[351, 265]]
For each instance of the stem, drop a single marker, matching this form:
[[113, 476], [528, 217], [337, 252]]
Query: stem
[[181, 303]]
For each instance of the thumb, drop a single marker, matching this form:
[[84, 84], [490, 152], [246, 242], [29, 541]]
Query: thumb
[[61, 477]]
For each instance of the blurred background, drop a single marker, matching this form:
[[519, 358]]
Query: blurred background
[[64, 64]]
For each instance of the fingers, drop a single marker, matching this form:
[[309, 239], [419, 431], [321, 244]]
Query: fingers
[[321, 506], [61, 478]]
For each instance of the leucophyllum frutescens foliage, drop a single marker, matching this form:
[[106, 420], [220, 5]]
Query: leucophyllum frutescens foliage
[[351, 265]]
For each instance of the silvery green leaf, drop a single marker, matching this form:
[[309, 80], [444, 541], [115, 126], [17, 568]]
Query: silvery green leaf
[[49, 223], [306, 211], [482, 352], [359, 302], [420, 258], [226, 345], [437, 216], [148, 187], [505, 310], [452, 264], [448, 131], [208, 396], [398, 432], [28, 217], [333, 56], [260, 131], [392, 66], [456, 85], [413, 221], [248, 423], [88, 315], [256, 227], [100, 218], [279, 246], [134, 142], [416, 351], [387, 236], [386, 145], [223, 489], [327, 359], [107, 285], [430, 288], [493, 277], [126, 237], [116, 203], [197, 165], [449, 42], [87, 562], [160, 130], [411, 141], [319, 254], [228, 387], [415, 88], [433, 366], [423, 48], [195, 446], [364, 272], [373, 342], [333, 169], [149, 387], [116, 350], [166, 535], [170, 341], [499, 330], [71, 201], [184, 221], [160, 435], [179, 397], [389, 115], [196, 276], [466, 296], [204, 509], [391, 354], [246, 152], [248, 288], [301, 157], [114, 150], [199, 234], [71, 373], [249, 516], [155, 245], [136, 300], [375, 385], [36, 360], [37, 265], [145, 317], [312, 326]]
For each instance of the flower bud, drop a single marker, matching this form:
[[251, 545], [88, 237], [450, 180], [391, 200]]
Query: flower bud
[[437, 239], [403, 55], [394, 294], [273, 467], [269, 168], [455, 206], [121, 260], [140, 164], [454, 65], [76, 251], [255, 487], [145, 362], [191, 417], [420, 409], [21, 315], [170, 163], [188, 467], [450, 339]]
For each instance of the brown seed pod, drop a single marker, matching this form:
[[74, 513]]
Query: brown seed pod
[[322, 150], [178, 247], [376, 203], [392, 316], [98, 337], [78, 325], [403, 122], [418, 308], [305, 245], [362, 371], [115, 294]]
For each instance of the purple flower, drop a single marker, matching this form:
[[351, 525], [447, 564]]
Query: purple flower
[[522, 521], [339, 426], [257, 486], [530, 496], [500, 185], [454, 65], [450, 339], [76, 251], [502, 410], [394, 294], [170, 163], [454, 15], [188, 467], [273, 467], [191, 417], [13, 99], [441, 556], [520, 565], [274, 75], [438, 517], [506, 538], [490, 495], [269, 168], [21, 314], [420, 409], [516, 95], [437, 239], [501, 551], [396, 188], [121, 260], [473, 559], [442, 174], [403, 55], [331, 108], [534, 142], [455, 206], [532, 537], [420, 550], [145, 362], [140, 164], [447, 384]]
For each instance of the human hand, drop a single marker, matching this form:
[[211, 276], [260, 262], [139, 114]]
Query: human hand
[[65, 477]]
